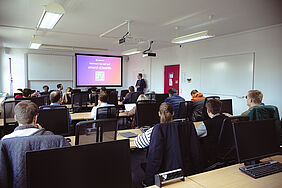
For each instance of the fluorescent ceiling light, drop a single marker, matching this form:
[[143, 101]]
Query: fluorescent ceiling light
[[192, 37], [73, 48], [35, 43], [51, 15], [131, 52]]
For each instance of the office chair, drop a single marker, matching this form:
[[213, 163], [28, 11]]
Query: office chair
[[123, 94], [113, 98], [92, 131], [9, 122], [204, 111], [185, 110], [134, 97]]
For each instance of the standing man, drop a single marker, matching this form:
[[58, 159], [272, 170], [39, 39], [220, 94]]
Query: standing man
[[140, 84]]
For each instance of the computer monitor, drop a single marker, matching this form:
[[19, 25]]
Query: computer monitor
[[160, 98], [105, 164], [147, 114], [55, 120], [255, 140], [226, 106]]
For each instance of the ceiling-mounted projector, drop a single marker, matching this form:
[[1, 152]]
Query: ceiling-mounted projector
[[128, 40], [149, 54]]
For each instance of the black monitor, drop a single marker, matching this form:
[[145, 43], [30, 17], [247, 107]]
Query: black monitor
[[39, 101], [55, 120], [160, 98], [226, 106], [102, 165], [147, 114], [255, 140]]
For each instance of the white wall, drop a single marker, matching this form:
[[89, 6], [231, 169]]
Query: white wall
[[265, 42], [19, 62]]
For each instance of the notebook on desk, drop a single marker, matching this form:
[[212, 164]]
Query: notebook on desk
[[128, 134]]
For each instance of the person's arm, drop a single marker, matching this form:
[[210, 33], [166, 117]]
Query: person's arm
[[201, 130], [93, 112], [64, 98], [143, 140], [132, 111], [126, 98], [137, 84]]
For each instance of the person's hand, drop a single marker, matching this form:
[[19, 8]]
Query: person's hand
[[227, 114], [137, 86], [38, 126]]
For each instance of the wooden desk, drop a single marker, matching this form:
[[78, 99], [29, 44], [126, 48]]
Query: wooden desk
[[120, 103], [231, 176], [131, 140], [1, 122], [8, 120], [81, 116], [69, 105]]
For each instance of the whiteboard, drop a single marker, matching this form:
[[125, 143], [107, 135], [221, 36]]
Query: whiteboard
[[49, 67], [230, 75]]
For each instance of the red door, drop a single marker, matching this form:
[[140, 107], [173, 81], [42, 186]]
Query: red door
[[171, 78]]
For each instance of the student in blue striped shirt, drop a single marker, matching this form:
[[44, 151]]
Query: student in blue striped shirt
[[166, 115]]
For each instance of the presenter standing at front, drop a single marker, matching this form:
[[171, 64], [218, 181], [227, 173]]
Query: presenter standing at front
[[140, 84]]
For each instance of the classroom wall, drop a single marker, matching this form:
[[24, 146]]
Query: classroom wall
[[265, 42], [19, 64]]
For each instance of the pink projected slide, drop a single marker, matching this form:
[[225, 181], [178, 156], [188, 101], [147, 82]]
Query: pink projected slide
[[98, 70]]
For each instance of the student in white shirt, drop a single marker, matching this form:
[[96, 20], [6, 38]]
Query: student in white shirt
[[103, 101]]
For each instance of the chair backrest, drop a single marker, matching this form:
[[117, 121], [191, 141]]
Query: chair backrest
[[9, 122], [267, 112], [84, 97], [93, 131], [55, 119], [76, 91], [113, 98], [123, 94], [46, 99], [13, 156], [93, 98], [147, 114], [197, 110], [226, 146], [226, 106], [204, 111], [107, 112], [160, 98], [185, 110], [173, 145]]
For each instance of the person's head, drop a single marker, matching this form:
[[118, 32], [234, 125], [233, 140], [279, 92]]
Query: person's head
[[69, 89], [131, 89], [103, 97], [166, 112], [27, 93], [139, 76], [213, 107], [60, 87], [93, 90], [254, 98], [104, 89], [26, 113], [45, 88], [55, 97], [142, 97], [193, 92], [171, 91], [20, 90]]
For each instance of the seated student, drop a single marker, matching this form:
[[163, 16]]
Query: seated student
[[210, 130], [254, 98], [175, 100], [128, 95], [103, 101], [67, 96], [19, 93], [26, 115], [27, 93], [60, 88], [166, 115], [45, 90], [197, 96], [103, 89]]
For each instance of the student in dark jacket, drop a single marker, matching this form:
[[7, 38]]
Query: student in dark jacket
[[128, 95], [210, 129]]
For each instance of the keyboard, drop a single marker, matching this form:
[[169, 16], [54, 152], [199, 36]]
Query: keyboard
[[262, 169]]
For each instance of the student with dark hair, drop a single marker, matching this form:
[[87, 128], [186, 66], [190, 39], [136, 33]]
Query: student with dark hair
[[26, 115], [140, 83], [103, 101], [67, 96], [175, 100], [166, 115], [103, 89], [128, 95], [27, 93], [45, 90], [197, 96]]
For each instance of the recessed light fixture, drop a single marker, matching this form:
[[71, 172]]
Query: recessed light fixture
[[131, 51], [51, 15], [35, 43], [192, 37]]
